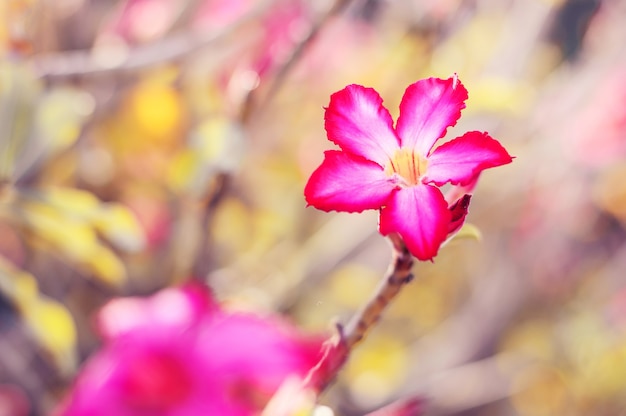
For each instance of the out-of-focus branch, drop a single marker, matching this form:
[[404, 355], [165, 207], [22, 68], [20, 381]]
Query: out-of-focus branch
[[189, 9], [201, 265], [458, 389], [297, 53], [203, 259], [474, 384], [171, 48]]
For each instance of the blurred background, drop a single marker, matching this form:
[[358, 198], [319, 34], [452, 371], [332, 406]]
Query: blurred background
[[147, 142]]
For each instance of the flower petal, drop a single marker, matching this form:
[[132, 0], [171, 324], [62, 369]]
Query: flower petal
[[344, 182], [458, 212], [459, 161], [427, 109], [420, 215], [357, 121], [457, 191]]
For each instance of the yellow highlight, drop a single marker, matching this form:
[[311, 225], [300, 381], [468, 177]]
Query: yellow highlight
[[49, 321], [377, 369], [157, 110], [74, 232], [408, 165], [541, 391], [107, 266], [118, 224], [71, 201], [53, 326]]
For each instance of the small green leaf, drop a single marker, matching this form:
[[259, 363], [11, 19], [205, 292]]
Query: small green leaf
[[467, 231]]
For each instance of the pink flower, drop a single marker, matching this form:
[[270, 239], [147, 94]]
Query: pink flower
[[178, 353], [397, 169]]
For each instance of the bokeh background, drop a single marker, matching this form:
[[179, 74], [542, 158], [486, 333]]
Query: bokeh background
[[147, 142]]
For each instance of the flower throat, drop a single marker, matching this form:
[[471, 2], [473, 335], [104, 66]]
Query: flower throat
[[408, 165]]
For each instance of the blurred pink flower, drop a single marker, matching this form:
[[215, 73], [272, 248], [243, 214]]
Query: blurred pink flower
[[14, 401], [178, 353], [218, 14], [278, 30], [286, 26], [138, 21], [596, 137], [395, 169]]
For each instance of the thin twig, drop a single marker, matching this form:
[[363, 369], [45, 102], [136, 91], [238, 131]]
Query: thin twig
[[337, 349], [398, 275], [296, 54], [204, 258]]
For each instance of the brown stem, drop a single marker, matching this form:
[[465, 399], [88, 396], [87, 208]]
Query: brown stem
[[398, 274], [337, 349]]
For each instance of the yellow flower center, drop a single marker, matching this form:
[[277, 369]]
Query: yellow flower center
[[407, 164]]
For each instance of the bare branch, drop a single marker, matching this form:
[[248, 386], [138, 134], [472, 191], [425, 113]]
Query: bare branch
[[398, 275], [337, 349]]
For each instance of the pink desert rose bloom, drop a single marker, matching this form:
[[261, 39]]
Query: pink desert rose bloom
[[397, 169], [178, 353]]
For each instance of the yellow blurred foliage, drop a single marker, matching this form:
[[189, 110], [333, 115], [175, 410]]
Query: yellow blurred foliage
[[429, 299], [53, 326], [215, 146], [74, 237], [352, 284], [37, 124], [156, 109], [77, 240], [19, 89], [604, 375], [60, 115], [183, 171], [500, 95], [532, 338], [541, 391], [609, 191], [71, 201], [118, 225], [233, 227], [106, 266], [471, 46], [376, 369], [424, 304], [50, 323], [146, 130], [69, 221], [597, 354]]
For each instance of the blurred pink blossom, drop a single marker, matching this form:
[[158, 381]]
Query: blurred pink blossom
[[217, 14], [597, 135], [278, 30], [13, 401], [138, 21], [179, 353]]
